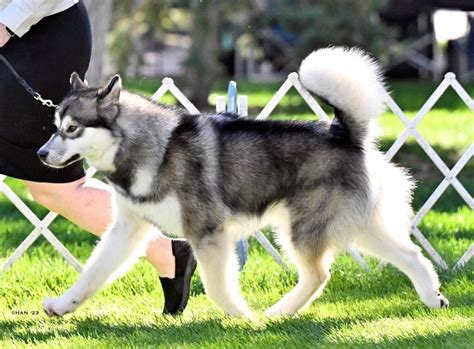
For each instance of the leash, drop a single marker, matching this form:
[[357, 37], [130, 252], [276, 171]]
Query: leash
[[46, 102]]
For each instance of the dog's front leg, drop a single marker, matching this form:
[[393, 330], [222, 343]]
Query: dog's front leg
[[119, 248]]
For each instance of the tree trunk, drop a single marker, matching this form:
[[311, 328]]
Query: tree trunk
[[100, 14], [202, 63]]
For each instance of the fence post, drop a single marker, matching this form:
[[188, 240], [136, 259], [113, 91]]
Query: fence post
[[242, 245], [239, 105]]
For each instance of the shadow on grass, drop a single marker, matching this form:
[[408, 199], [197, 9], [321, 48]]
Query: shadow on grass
[[389, 283], [304, 331]]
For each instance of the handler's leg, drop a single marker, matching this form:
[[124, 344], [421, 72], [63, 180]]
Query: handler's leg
[[116, 252], [86, 202]]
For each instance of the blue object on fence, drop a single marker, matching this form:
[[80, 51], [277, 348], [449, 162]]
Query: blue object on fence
[[243, 251], [242, 246], [232, 97]]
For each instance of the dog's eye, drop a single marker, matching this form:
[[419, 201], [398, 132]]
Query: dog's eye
[[71, 129]]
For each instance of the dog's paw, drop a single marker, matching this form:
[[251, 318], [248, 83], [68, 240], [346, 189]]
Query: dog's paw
[[438, 301], [275, 311], [50, 307], [242, 314], [443, 301], [271, 313], [242, 311], [57, 306], [249, 316]]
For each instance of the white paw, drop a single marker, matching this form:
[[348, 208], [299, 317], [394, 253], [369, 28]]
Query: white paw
[[275, 311], [241, 314], [239, 311], [249, 315], [58, 306], [438, 301]]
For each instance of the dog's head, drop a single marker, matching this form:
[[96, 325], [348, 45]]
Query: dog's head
[[84, 122]]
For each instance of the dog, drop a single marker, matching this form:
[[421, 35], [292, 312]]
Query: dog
[[322, 186]]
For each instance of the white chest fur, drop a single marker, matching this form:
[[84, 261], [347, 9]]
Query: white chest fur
[[165, 214]]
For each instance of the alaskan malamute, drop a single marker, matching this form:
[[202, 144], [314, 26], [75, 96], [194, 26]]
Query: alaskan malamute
[[322, 185]]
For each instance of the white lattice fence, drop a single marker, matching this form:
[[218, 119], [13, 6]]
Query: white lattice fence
[[41, 226]]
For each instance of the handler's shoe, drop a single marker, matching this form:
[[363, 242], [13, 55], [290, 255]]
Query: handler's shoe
[[176, 290]]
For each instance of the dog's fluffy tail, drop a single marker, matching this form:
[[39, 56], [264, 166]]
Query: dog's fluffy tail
[[350, 81]]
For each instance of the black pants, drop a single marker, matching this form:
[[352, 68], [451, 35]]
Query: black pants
[[45, 57]]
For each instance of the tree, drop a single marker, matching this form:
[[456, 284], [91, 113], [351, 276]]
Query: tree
[[134, 20], [298, 26], [327, 22], [202, 64], [100, 15]]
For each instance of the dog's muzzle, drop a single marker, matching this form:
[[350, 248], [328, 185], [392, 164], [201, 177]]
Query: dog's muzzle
[[43, 156]]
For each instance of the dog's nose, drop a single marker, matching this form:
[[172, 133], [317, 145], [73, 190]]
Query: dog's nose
[[42, 153]]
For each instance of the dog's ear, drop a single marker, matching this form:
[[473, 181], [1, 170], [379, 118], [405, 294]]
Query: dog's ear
[[109, 94], [76, 82]]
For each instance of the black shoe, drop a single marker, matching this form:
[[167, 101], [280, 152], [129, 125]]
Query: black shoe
[[176, 290]]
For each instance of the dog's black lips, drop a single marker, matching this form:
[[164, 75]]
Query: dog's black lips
[[71, 160]]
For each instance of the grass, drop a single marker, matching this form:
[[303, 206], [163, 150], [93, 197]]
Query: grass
[[378, 308]]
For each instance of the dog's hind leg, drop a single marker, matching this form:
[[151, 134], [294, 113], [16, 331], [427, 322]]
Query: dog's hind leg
[[296, 234], [117, 250], [312, 265], [313, 275], [406, 256], [219, 272]]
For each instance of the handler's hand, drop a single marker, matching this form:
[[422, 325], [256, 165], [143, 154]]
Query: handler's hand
[[4, 35]]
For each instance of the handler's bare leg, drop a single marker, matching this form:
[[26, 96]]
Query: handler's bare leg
[[87, 203]]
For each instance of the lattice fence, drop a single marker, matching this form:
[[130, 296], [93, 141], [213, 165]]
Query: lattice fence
[[450, 175]]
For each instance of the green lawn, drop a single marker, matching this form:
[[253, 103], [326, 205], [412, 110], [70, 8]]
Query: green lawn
[[357, 309]]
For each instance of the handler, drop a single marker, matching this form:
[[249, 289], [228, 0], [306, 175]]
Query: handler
[[45, 41]]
